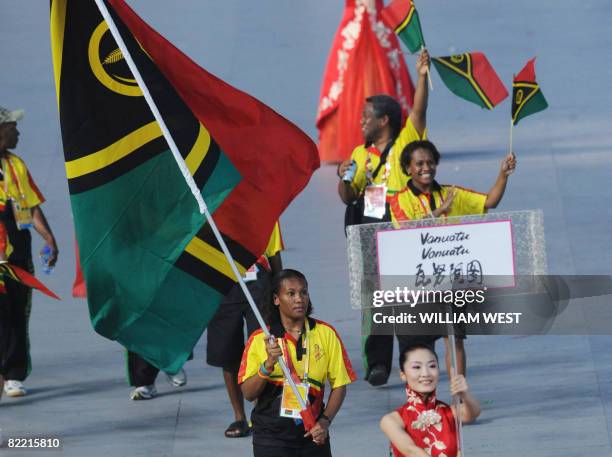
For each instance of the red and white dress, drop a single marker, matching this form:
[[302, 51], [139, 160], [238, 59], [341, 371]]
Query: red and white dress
[[430, 424], [365, 59]]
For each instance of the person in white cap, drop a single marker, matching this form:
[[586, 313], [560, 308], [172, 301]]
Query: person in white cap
[[20, 202]]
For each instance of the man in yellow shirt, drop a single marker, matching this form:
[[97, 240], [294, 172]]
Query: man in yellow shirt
[[378, 176], [381, 127], [20, 202]]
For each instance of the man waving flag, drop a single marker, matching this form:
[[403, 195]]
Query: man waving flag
[[154, 271]]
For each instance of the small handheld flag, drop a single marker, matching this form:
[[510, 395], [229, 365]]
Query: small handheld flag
[[308, 418], [25, 278], [471, 77], [403, 18], [527, 98]]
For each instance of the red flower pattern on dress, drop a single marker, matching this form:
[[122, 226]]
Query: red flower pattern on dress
[[365, 59]]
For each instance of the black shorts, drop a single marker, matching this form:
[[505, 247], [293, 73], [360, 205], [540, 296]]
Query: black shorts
[[307, 451], [225, 336]]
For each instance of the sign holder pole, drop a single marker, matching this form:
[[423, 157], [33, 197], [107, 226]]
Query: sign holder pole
[[456, 400]]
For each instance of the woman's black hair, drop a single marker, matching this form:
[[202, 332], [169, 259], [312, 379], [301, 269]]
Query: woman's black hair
[[413, 347], [406, 156], [270, 310]]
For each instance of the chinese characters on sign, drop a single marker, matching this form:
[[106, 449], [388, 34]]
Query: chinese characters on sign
[[471, 275]]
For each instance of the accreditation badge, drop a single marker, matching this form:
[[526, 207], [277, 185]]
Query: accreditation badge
[[251, 273], [22, 214], [374, 201], [290, 407]]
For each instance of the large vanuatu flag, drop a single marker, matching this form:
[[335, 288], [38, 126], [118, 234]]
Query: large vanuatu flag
[[471, 77], [403, 18], [154, 272], [527, 98]]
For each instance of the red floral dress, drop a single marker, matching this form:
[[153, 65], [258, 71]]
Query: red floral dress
[[430, 424], [365, 59]]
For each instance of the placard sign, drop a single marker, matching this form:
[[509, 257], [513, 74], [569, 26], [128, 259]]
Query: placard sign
[[440, 256]]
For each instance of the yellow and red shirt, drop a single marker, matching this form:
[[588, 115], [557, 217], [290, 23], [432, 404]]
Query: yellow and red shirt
[[411, 203], [17, 183], [327, 362], [367, 159]]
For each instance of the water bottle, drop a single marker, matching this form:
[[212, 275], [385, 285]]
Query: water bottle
[[349, 174], [45, 256]]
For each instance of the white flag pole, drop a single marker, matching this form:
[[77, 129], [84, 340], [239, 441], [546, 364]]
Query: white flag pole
[[194, 188], [428, 73], [511, 114], [456, 399]]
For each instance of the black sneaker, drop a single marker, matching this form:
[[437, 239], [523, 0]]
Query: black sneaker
[[378, 375]]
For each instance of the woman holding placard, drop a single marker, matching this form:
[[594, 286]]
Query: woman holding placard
[[423, 197], [313, 353]]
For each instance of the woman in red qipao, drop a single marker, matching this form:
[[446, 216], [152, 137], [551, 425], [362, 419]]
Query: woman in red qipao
[[425, 426]]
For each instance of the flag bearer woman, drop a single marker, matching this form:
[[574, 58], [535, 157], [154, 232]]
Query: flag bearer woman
[[314, 353]]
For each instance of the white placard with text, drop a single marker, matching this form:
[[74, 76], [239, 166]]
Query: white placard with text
[[433, 256]]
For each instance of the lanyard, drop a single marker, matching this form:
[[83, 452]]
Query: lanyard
[[371, 176], [425, 208], [306, 352]]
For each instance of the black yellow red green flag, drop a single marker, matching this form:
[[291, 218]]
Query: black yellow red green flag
[[154, 271], [527, 98], [403, 18], [471, 77]]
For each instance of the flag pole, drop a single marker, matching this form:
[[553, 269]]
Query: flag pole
[[422, 49], [456, 399], [428, 73], [512, 113], [308, 419]]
